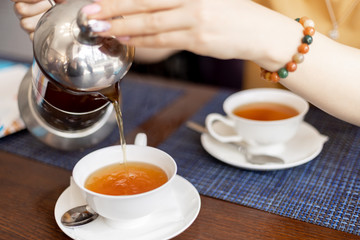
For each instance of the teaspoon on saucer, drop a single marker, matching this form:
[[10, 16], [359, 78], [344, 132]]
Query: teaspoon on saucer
[[78, 216], [258, 159]]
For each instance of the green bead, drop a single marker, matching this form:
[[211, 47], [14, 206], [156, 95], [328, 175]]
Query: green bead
[[307, 39], [283, 73], [297, 19]]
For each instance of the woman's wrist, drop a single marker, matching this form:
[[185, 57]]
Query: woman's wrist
[[298, 57], [275, 38]]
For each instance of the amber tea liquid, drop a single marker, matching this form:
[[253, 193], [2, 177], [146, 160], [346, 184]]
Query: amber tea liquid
[[113, 93], [265, 111], [129, 179], [67, 110]]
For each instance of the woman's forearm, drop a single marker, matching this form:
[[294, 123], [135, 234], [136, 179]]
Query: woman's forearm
[[329, 78]]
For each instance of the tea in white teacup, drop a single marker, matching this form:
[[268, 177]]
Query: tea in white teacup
[[126, 179]]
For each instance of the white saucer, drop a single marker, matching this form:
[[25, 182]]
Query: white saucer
[[174, 217], [304, 147]]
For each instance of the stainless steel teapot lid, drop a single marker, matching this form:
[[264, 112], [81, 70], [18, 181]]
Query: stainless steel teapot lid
[[69, 53]]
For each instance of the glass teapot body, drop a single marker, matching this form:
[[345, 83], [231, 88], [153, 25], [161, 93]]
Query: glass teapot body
[[63, 119]]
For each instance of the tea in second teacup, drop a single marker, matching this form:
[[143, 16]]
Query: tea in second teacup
[[260, 116], [265, 111]]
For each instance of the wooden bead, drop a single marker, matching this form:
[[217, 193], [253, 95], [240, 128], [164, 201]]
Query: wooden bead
[[283, 73], [309, 31], [291, 66], [307, 39], [303, 48], [302, 20], [298, 57], [267, 76], [308, 23], [274, 77]]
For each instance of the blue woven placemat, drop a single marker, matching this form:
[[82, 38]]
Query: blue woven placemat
[[324, 191], [140, 101]]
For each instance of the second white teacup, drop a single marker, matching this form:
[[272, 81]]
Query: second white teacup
[[257, 131]]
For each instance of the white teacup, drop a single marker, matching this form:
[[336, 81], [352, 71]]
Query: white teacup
[[258, 132], [122, 209]]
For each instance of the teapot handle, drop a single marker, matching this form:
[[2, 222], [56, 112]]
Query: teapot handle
[[52, 2]]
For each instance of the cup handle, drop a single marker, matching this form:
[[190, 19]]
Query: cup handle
[[213, 117], [141, 139]]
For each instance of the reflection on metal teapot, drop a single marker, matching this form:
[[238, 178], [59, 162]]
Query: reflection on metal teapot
[[69, 53]]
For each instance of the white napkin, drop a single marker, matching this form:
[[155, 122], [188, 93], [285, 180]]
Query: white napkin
[[11, 76]]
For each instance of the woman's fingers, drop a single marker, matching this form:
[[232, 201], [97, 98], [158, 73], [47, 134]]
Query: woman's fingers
[[106, 9], [29, 23], [27, 1], [189, 40], [149, 23], [173, 40], [36, 1], [31, 35], [29, 12], [24, 9]]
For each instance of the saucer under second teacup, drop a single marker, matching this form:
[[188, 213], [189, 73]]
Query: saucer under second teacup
[[302, 148]]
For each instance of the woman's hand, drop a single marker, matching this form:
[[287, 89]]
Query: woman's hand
[[29, 13], [199, 26]]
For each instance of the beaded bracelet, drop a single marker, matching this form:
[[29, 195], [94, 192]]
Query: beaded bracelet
[[291, 66]]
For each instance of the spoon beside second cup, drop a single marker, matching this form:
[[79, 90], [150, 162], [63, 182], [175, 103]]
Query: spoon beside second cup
[[258, 159]]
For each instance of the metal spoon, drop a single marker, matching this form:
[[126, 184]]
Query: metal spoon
[[258, 159], [78, 216]]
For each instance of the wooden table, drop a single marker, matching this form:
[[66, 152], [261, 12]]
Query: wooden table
[[29, 190]]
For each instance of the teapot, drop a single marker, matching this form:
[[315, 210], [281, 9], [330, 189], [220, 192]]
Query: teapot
[[59, 98]]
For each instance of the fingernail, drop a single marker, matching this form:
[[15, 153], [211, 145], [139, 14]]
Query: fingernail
[[123, 38], [99, 26], [91, 9]]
